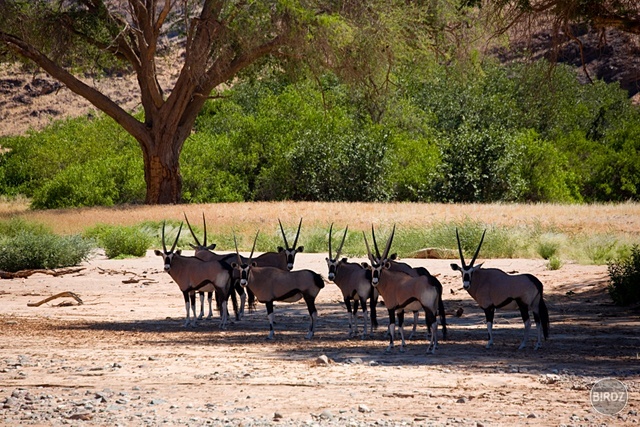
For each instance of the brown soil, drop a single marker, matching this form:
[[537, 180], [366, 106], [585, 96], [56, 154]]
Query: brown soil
[[124, 358]]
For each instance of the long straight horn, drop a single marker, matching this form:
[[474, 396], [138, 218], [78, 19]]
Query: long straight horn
[[254, 246], [204, 224], [283, 235], [464, 265], [295, 242], [371, 257], [164, 245], [386, 250], [375, 243], [177, 237], [344, 236], [191, 230], [478, 250], [237, 251], [330, 237]]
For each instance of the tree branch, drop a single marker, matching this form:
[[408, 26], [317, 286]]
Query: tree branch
[[94, 96]]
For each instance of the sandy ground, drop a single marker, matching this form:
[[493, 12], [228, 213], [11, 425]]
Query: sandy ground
[[124, 358]]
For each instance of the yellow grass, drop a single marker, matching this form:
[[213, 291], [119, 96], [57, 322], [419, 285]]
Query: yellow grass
[[589, 219]]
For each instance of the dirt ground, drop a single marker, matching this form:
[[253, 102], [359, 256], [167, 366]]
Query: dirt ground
[[124, 358]]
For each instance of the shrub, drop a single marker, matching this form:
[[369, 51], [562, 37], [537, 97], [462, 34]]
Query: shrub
[[624, 288], [119, 241], [26, 250]]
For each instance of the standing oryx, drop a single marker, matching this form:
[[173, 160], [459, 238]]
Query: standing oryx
[[205, 252], [414, 272], [271, 284], [352, 280], [402, 292], [191, 273], [493, 288]]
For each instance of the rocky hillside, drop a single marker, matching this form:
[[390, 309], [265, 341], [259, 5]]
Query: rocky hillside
[[32, 100]]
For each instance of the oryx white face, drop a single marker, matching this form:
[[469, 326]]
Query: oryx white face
[[467, 272], [167, 257], [333, 265], [376, 272], [290, 255], [244, 270]]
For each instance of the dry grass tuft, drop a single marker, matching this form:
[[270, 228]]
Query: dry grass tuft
[[247, 217]]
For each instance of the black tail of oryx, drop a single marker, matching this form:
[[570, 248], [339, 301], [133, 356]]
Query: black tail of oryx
[[543, 312], [443, 319], [318, 280]]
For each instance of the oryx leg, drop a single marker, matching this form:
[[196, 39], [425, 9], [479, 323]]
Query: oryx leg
[[524, 312], [489, 313], [374, 317], [536, 317], [201, 315], [224, 314], [270, 316], [313, 315], [189, 303], [416, 314], [400, 326], [243, 300], [365, 317], [347, 302], [432, 326], [392, 329]]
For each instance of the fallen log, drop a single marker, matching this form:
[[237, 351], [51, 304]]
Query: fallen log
[[23, 274], [60, 295]]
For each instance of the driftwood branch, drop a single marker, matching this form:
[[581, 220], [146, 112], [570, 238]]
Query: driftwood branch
[[60, 295], [22, 274]]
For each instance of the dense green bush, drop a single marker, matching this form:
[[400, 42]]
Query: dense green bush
[[25, 246], [624, 288], [489, 132], [120, 241]]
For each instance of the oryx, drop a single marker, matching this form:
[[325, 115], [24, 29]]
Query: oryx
[[493, 288], [403, 267], [192, 272], [401, 292], [282, 259], [271, 284], [352, 280], [205, 252]]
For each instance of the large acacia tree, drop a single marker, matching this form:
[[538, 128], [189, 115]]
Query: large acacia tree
[[219, 38]]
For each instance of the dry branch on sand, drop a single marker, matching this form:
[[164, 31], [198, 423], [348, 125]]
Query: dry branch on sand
[[60, 295]]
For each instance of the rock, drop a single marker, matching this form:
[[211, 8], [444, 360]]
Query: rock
[[326, 415], [363, 408], [532, 415], [277, 416], [435, 253], [462, 400], [323, 360]]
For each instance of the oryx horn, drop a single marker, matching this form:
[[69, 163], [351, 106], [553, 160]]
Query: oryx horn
[[478, 250], [254, 246], [284, 236], [192, 233], [464, 265], [375, 243], [295, 242], [371, 257], [341, 244], [237, 251], [164, 245], [386, 250]]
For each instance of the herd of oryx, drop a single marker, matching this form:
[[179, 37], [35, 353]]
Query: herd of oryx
[[270, 277]]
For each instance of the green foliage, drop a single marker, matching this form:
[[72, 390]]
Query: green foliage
[[624, 273], [555, 263], [121, 241], [75, 162], [25, 246]]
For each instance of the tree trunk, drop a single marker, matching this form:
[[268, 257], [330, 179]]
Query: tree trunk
[[162, 171]]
